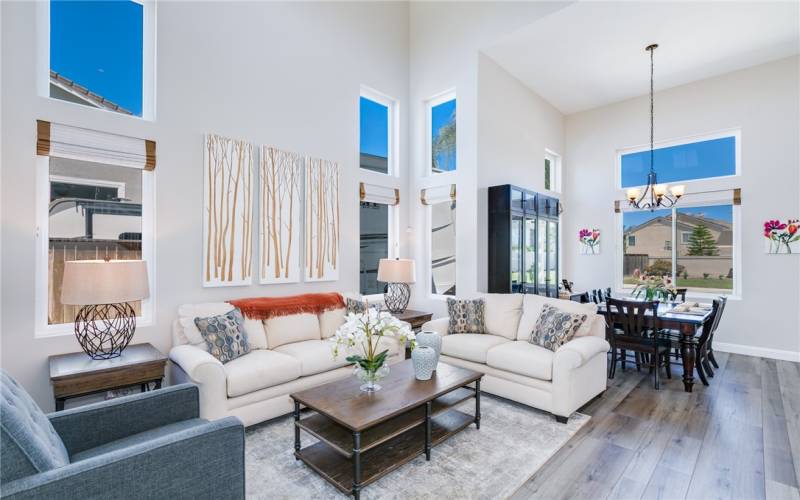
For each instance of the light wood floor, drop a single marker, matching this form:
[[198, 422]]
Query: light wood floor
[[739, 438]]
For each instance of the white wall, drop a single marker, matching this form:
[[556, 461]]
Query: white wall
[[284, 74], [764, 103], [445, 44], [515, 126]]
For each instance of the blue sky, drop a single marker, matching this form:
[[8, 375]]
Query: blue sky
[[99, 46], [374, 128], [712, 158], [440, 116], [719, 212]]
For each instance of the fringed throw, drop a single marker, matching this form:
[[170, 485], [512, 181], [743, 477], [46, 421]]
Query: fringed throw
[[262, 308]]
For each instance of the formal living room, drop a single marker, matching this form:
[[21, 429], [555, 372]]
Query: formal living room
[[399, 249]]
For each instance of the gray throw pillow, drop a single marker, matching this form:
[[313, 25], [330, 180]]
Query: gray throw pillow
[[555, 327], [355, 306], [466, 316], [224, 335]]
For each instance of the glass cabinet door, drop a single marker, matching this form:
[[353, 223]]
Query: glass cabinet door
[[517, 265], [541, 257], [552, 259], [529, 277]]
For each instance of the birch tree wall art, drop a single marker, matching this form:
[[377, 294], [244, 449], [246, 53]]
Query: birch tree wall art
[[228, 212], [321, 220], [281, 175]]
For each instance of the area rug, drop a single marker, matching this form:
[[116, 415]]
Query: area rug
[[514, 441]]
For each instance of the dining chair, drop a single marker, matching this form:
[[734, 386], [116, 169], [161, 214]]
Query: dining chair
[[710, 344], [702, 357], [679, 292], [630, 328]]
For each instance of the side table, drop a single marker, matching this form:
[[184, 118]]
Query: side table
[[416, 319], [76, 374]]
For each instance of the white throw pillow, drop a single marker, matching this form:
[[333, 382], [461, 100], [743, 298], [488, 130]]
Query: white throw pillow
[[330, 321], [188, 312], [501, 313], [283, 330], [532, 308]]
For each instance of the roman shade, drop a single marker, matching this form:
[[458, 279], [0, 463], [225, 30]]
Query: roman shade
[[66, 141], [379, 194], [438, 194]]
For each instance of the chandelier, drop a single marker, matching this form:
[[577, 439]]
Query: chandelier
[[654, 195]]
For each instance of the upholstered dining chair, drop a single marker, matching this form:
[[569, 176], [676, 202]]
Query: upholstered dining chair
[[149, 445], [630, 328]]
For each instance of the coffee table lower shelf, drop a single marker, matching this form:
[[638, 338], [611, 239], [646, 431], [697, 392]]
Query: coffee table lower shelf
[[385, 457]]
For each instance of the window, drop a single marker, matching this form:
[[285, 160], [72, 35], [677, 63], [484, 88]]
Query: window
[[442, 137], [632, 240], [98, 54], [704, 260], [374, 244], [94, 211], [705, 159], [443, 247], [374, 135], [552, 171]]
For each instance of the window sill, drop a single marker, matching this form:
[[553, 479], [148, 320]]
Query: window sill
[[68, 329]]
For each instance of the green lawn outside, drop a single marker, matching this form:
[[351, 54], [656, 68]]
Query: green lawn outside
[[713, 283]]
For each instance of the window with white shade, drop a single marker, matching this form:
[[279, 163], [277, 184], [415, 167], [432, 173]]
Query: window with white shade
[[442, 133], [441, 206]]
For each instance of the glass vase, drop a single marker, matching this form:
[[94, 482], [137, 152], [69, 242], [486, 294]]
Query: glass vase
[[370, 378]]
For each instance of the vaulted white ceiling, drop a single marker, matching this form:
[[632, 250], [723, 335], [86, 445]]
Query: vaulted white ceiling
[[592, 53]]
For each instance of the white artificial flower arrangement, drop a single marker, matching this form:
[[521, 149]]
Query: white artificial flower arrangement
[[360, 336]]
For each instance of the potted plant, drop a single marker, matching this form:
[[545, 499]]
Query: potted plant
[[360, 337], [653, 287]]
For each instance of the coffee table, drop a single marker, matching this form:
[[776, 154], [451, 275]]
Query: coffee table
[[363, 436]]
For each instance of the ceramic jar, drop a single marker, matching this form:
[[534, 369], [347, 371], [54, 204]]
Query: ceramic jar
[[424, 360], [432, 340]]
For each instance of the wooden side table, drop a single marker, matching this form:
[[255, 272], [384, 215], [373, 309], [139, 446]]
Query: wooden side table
[[416, 319], [76, 374]]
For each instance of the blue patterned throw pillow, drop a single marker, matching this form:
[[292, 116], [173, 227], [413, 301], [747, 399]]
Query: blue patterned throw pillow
[[555, 327], [224, 335], [466, 316]]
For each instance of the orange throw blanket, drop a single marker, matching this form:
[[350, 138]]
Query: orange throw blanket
[[262, 308]]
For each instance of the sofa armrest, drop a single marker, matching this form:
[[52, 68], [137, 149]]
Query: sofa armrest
[[438, 325], [579, 373], [206, 461], [95, 424], [579, 350], [201, 368]]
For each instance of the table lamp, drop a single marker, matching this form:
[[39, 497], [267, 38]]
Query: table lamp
[[105, 324], [396, 273]]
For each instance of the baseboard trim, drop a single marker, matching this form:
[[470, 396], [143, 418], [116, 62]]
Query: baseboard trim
[[760, 352]]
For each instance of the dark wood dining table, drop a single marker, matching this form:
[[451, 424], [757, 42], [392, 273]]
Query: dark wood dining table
[[687, 325]]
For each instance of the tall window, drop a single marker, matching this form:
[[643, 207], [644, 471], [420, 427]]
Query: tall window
[[379, 193], [443, 247], [97, 53], [552, 171], [442, 136]]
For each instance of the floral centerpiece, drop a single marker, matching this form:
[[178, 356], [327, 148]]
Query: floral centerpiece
[[360, 337], [781, 237], [590, 239], [653, 287]]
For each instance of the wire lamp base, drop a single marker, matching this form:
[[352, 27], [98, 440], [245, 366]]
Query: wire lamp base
[[396, 296], [105, 330]]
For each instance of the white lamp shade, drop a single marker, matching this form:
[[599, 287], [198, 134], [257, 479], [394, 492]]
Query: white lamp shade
[[396, 271], [89, 282]]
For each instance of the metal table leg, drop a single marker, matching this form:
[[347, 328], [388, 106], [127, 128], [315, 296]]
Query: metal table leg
[[428, 430], [478, 404], [356, 465], [296, 430]]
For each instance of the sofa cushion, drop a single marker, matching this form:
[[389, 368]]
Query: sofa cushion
[[466, 316], [282, 330], [501, 313], [224, 335], [314, 356], [522, 358], [470, 346], [532, 308], [258, 370], [188, 312], [330, 321], [30, 443]]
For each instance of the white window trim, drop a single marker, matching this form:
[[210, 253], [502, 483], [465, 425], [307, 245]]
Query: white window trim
[[735, 293], [555, 169], [393, 111], [91, 182], [149, 44], [41, 302], [733, 132], [448, 95]]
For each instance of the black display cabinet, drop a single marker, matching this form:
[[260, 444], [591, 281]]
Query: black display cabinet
[[523, 241]]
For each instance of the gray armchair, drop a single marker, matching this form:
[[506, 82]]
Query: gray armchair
[[150, 445]]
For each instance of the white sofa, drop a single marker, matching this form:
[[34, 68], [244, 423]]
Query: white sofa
[[288, 354], [558, 382]]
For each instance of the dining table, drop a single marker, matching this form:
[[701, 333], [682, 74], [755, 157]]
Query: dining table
[[686, 324]]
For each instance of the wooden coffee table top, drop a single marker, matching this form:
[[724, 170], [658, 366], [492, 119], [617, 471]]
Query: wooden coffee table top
[[344, 403]]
